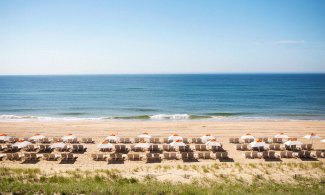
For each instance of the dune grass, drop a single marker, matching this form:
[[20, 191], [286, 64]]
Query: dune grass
[[31, 181]]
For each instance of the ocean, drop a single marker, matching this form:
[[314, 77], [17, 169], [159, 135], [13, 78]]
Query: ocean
[[163, 97]]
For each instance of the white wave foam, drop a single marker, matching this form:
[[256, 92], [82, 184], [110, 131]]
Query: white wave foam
[[170, 116], [42, 118]]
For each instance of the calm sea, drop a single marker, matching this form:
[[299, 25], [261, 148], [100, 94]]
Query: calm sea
[[157, 97]]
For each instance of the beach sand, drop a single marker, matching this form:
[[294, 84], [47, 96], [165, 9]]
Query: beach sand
[[175, 170]]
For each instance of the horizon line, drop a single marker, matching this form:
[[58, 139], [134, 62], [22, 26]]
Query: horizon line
[[175, 73]]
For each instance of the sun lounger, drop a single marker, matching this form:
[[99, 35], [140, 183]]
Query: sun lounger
[[10, 156], [185, 140], [16, 156], [244, 147], [152, 157], [248, 155], [309, 147], [249, 140], [218, 155], [56, 139], [224, 155], [217, 149], [320, 154], [167, 147], [197, 140], [45, 140], [98, 157], [254, 154], [154, 148], [204, 155], [13, 140], [2, 147], [184, 148], [154, 140], [170, 155], [188, 156], [134, 157], [305, 154], [44, 148], [231, 140], [238, 147], [30, 147]]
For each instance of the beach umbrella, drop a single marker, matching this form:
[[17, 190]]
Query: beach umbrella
[[145, 135], [322, 140], [312, 136], [247, 136], [21, 144], [175, 137], [213, 142], [177, 143], [37, 137], [58, 145], [4, 137], [293, 142], [258, 143], [143, 145], [282, 136], [67, 137], [113, 138], [207, 137], [105, 145]]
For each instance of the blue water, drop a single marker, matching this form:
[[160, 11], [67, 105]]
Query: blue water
[[205, 96]]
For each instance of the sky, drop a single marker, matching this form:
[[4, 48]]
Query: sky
[[161, 36]]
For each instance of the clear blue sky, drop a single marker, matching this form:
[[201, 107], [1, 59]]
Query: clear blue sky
[[161, 36]]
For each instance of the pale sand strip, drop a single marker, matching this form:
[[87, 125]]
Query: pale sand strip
[[100, 129]]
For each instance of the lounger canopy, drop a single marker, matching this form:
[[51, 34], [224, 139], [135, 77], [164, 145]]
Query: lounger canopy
[[4, 137], [175, 137], [145, 135], [58, 145], [105, 145], [143, 145], [213, 142], [247, 136], [69, 136], [113, 137], [281, 135], [37, 137], [177, 143], [207, 138], [21, 144]]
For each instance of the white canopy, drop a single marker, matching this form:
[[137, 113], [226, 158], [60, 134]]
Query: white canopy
[[213, 143], [142, 145], [175, 137], [256, 144], [37, 137], [311, 136], [58, 145], [281, 135], [21, 144], [5, 137], [105, 145], [247, 136], [113, 138], [177, 144], [293, 143], [67, 137], [322, 140], [144, 135], [207, 137]]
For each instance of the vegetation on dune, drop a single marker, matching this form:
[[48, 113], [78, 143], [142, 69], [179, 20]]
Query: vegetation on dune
[[110, 181]]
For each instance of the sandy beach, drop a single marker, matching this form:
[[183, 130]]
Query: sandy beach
[[98, 130]]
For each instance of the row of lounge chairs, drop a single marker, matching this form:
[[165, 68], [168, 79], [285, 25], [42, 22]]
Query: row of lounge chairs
[[165, 147], [264, 139], [43, 148], [276, 147], [158, 156], [282, 154], [35, 157]]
